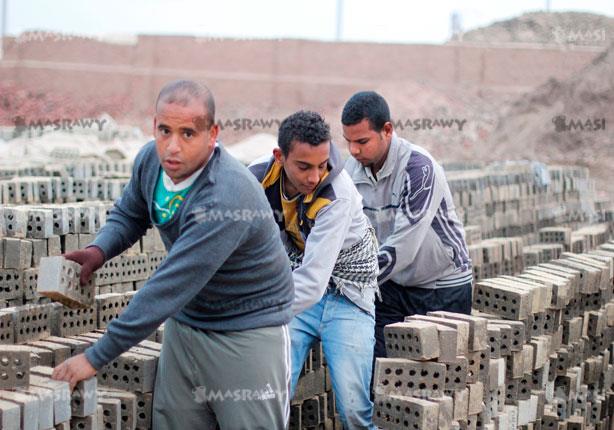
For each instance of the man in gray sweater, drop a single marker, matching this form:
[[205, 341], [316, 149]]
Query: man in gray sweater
[[225, 288], [423, 260]]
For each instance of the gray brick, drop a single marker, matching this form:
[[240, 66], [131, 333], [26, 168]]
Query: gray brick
[[14, 367], [29, 407], [10, 415], [58, 279]]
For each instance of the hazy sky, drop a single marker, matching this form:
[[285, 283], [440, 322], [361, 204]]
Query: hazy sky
[[363, 20]]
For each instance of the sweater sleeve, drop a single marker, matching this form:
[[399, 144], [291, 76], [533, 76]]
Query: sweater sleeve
[[321, 252], [421, 197], [129, 218], [200, 250]]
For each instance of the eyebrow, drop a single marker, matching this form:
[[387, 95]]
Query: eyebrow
[[182, 129], [361, 139], [304, 163]]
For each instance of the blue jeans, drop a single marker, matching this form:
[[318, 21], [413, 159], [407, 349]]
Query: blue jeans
[[348, 336]]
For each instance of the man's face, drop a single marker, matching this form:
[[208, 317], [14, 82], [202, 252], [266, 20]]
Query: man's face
[[304, 166], [183, 141], [367, 146]]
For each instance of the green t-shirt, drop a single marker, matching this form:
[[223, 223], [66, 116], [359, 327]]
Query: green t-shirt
[[167, 201]]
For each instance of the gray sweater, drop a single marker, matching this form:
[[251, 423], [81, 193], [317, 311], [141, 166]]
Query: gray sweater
[[226, 267], [422, 241]]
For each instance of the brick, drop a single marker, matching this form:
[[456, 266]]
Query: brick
[[14, 367], [71, 322], [10, 415], [40, 223], [45, 403], [15, 222], [476, 396], [508, 302], [446, 411], [144, 402], [58, 279], [60, 352], [416, 339], [29, 407], [405, 412], [17, 253], [127, 407], [109, 306], [112, 412], [311, 384], [61, 396], [109, 273], [30, 322], [76, 346], [134, 267], [54, 246], [518, 333], [39, 250], [70, 242], [461, 404], [496, 373], [461, 328], [456, 374], [130, 371], [84, 397], [477, 328], [310, 412], [11, 284], [402, 376]]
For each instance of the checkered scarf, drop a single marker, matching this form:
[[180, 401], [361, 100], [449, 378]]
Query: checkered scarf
[[356, 266]]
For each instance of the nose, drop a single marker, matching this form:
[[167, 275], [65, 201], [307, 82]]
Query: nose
[[354, 150], [314, 177], [173, 146]]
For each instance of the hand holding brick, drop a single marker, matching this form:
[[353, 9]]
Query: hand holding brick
[[58, 279]]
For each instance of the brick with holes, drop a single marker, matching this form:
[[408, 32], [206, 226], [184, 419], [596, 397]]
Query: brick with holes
[[404, 412], [418, 340], [14, 367], [403, 376], [58, 279]]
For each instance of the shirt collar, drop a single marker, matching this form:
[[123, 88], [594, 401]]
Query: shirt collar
[[388, 165], [187, 182]]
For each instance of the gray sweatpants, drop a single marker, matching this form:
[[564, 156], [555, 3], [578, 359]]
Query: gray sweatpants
[[237, 379]]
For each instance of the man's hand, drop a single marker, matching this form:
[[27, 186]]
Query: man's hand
[[74, 370], [90, 259]]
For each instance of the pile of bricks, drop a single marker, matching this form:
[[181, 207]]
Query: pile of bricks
[[535, 353], [505, 200], [313, 405]]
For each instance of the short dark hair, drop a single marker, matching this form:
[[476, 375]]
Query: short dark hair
[[369, 105], [302, 126], [182, 91]]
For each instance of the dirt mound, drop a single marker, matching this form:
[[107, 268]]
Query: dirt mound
[[564, 28], [569, 122]]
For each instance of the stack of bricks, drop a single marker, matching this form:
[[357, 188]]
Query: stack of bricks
[[30, 399], [512, 200], [536, 353], [313, 404]]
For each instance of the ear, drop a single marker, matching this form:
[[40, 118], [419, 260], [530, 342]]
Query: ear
[[279, 156], [214, 131], [388, 129], [155, 125]]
